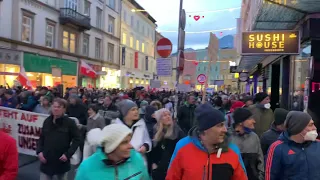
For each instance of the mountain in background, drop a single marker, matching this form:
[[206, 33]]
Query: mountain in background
[[226, 42]]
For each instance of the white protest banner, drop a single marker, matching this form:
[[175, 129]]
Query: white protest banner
[[24, 126]]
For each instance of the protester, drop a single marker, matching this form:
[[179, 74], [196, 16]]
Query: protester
[[130, 117], [150, 120], [115, 159], [295, 155], [206, 153], [229, 116], [275, 130], [44, 107], [186, 118], [142, 109], [248, 142], [58, 141], [8, 157], [10, 101], [262, 113], [167, 133]]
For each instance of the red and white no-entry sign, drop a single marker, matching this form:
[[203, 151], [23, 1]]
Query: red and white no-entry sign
[[202, 78], [164, 47]]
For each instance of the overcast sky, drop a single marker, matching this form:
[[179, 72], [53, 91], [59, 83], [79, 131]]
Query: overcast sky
[[166, 13]]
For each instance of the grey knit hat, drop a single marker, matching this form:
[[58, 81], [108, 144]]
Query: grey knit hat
[[125, 106], [296, 121]]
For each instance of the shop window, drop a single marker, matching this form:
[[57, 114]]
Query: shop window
[[85, 46], [87, 5], [112, 4], [131, 42], [99, 18], [69, 42], [98, 48], [110, 52], [111, 25], [27, 28], [72, 4], [142, 47], [124, 38], [137, 45], [143, 30], [125, 16], [50, 31], [138, 26], [132, 21], [9, 74]]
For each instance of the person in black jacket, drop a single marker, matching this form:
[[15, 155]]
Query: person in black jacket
[[58, 141], [186, 118], [166, 135]]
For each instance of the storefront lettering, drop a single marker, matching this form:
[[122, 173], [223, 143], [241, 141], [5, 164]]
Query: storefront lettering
[[9, 57], [266, 41]]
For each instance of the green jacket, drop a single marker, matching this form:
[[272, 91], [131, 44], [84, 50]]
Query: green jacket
[[263, 117], [94, 168]]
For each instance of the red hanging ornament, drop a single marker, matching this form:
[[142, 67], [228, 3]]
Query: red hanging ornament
[[195, 63]]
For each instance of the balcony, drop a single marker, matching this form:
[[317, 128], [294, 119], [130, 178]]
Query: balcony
[[72, 17]]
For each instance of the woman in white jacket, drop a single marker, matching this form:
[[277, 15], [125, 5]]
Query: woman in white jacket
[[129, 116]]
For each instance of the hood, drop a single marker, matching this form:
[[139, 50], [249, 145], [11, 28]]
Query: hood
[[194, 135]]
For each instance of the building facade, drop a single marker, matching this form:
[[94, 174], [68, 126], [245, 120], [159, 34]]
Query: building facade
[[49, 38], [138, 64]]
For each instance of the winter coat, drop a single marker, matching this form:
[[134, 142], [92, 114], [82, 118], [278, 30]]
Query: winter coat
[[186, 118], [8, 157], [56, 139], [10, 103], [190, 160], [268, 138], [162, 151], [30, 105], [40, 109], [288, 160], [96, 121], [78, 111], [251, 153], [98, 167], [263, 117]]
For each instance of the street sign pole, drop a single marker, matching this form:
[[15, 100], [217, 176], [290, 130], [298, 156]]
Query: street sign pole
[[178, 59]]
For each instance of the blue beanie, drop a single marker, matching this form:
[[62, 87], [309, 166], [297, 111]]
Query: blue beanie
[[207, 116]]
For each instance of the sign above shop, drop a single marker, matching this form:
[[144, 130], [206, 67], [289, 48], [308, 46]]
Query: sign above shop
[[10, 57], [270, 42]]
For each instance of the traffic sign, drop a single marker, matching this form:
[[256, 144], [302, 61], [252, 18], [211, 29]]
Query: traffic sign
[[164, 47], [202, 78]]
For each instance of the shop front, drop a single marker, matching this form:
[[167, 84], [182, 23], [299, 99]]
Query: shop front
[[135, 79], [109, 78], [10, 62], [50, 71], [91, 82]]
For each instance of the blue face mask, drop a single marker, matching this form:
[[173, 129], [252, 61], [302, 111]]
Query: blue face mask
[[247, 130]]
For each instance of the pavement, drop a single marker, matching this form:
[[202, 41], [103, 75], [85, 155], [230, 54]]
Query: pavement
[[29, 168]]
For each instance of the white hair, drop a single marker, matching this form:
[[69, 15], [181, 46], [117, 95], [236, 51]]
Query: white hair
[[159, 113]]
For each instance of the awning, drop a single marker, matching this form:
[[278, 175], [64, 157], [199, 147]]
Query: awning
[[284, 14], [248, 62]]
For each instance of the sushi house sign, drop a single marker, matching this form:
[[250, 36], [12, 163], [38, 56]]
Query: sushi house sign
[[270, 42]]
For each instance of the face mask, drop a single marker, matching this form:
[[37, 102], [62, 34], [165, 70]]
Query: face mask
[[267, 106], [247, 130], [311, 136]]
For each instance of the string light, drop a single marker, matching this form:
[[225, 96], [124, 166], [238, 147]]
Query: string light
[[213, 11], [200, 32]]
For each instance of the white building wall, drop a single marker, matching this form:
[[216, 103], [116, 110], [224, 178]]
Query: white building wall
[[5, 16]]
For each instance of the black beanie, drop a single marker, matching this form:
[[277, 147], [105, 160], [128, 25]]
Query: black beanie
[[260, 97], [240, 115], [207, 116], [296, 121], [280, 115]]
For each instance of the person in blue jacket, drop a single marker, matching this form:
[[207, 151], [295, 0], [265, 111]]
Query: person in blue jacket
[[11, 100], [295, 155], [115, 159]]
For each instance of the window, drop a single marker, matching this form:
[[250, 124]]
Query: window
[[72, 4], [132, 21], [143, 30], [124, 38], [112, 4], [138, 25], [142, 47], [98, 48], [50, 35], [137, 45], [111, 25], [69, 42], [26, 32], [99, 18], [124, 15], [85, 48], [148, 32], [87, 8], [131, 42], [110, 52]]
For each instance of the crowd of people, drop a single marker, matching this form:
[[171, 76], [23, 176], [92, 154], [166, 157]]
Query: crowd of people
[[134, 134]]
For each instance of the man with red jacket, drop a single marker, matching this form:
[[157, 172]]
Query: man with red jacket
[[8, 157], [206, 153]]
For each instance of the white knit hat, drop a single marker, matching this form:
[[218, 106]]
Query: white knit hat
[[110, 137], [158, 114]]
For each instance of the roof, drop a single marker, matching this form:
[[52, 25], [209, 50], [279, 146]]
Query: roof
[[284, 15], [138, 6]]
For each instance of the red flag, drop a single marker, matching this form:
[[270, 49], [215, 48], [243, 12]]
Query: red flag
[[87, 70], [23, 78]]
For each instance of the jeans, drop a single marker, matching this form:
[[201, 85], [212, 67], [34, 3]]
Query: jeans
[[58, 176]]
